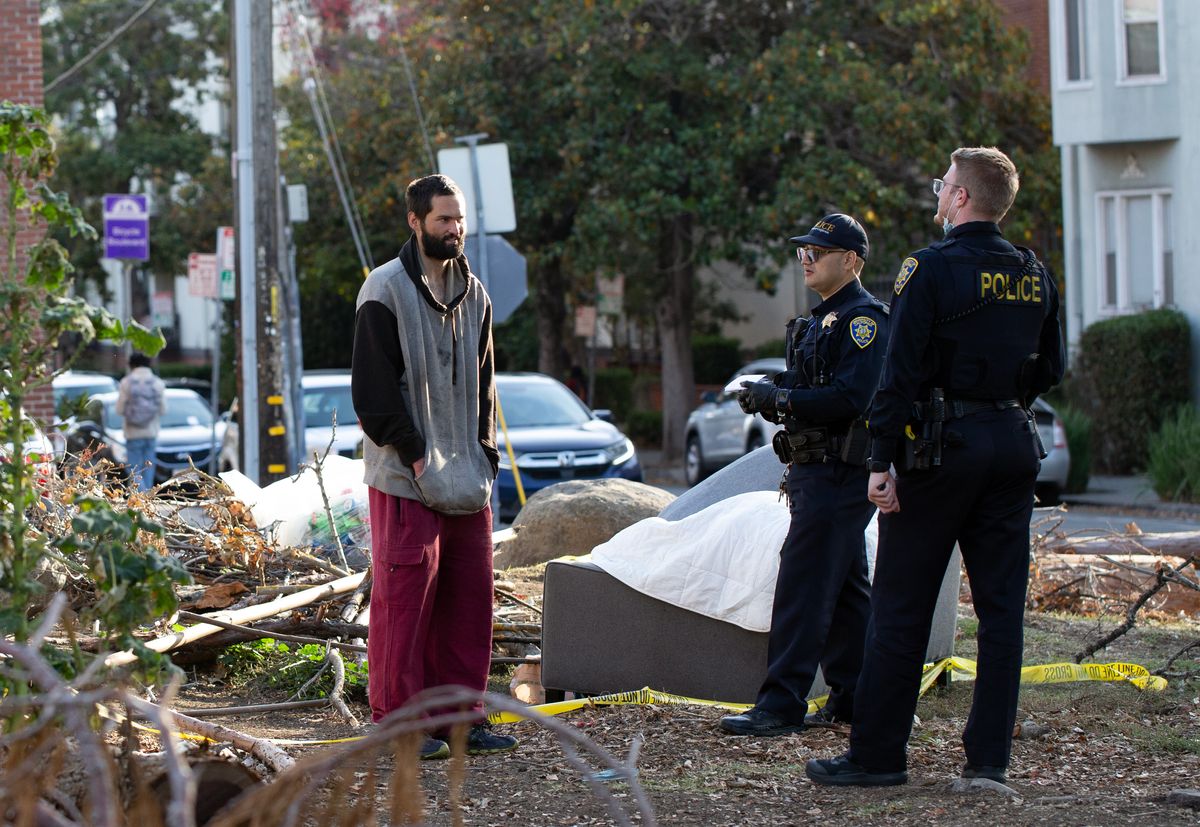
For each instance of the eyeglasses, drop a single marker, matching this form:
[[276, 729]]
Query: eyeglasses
[[939, 185], [813, 254]]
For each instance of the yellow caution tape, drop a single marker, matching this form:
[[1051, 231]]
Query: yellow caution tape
[[277, 430], [275, 399], [958, 668]]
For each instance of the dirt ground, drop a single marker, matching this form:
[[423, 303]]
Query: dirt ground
[[1096, 753]]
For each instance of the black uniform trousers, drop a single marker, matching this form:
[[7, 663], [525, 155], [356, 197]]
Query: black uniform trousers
[[981, 496], [822, 594]]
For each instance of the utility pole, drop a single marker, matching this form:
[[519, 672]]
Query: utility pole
[[263, 429]]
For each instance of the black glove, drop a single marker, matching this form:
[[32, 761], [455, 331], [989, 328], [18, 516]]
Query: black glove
[[758, 397]]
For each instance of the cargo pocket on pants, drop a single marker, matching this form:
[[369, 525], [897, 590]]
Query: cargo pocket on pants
[[403, 552]]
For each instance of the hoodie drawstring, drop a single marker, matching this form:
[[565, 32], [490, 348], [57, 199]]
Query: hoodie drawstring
[[454, 349]]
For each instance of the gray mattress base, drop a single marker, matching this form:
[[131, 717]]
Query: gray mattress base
[[601, 636]]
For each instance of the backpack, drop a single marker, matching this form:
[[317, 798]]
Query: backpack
[[142, 404]]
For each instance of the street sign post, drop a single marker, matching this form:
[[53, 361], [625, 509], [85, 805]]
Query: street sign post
[[126, 227]]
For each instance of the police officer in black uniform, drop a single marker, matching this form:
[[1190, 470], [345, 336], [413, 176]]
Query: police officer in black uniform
[[822, 594], [975, 337]]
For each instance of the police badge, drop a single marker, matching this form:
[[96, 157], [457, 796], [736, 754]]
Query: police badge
[[906, 270], [862, 330]]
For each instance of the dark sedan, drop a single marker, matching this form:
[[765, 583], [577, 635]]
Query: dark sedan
[[555, 437]]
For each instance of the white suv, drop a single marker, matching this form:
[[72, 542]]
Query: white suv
[[718, 432]]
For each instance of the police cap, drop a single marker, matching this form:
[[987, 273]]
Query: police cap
[[838, 231]]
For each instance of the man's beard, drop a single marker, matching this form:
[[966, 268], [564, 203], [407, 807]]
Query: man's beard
[[440, 249]]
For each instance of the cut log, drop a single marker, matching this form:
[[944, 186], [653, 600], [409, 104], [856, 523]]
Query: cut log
[[1181, 543]]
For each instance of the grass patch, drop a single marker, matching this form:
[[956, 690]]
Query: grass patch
[[268, 664], [1164, 740]]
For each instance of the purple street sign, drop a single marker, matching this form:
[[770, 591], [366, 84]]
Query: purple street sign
[[126, 227]]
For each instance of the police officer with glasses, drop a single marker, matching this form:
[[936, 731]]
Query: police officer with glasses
[[954, 458], [822, 594]]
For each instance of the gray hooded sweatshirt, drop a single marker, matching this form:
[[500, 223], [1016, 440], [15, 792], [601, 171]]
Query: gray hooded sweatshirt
[[423, 385]]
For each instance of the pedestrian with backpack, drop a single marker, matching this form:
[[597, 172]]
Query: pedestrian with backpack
[[141, 402]]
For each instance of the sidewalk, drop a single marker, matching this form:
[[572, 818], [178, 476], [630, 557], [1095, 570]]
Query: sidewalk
[[1129, 493], [657, 473]]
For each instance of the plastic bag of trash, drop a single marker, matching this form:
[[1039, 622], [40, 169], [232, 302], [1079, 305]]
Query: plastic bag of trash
[[294, 511]]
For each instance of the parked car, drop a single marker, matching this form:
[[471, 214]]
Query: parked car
[[1056, 467], [72, 385], [555, 437], [718, 431], [325, 393], [185, 432], [42, 452]]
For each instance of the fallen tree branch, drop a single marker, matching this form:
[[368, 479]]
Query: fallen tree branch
[[513, 598], [253, 709], [339, 684], [252, 633], [260, 748], [1175, 543], [173, 641], [1161, 579], [1195, 644]]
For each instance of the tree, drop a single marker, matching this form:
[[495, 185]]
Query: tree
[[127, 122], [654, 137]]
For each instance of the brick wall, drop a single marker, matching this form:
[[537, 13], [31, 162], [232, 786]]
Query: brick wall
[[21, 82], [1034, 17]]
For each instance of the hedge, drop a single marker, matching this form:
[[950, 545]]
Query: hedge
[[1132, 372]]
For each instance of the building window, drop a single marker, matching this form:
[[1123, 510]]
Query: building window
[[1075, 53], [1141, 40], [1134, 250]]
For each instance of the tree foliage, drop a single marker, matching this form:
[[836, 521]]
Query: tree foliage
[[128, 124], [654, 137]]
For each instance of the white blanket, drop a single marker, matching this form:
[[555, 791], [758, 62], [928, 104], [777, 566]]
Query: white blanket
[[720, 562]]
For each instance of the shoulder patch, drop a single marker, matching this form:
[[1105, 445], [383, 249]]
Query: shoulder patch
[[906, 270], [862, 330]]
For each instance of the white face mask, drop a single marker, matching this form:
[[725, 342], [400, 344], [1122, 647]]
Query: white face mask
[[947, 224]]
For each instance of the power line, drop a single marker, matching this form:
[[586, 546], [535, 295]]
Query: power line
[[99, 50]]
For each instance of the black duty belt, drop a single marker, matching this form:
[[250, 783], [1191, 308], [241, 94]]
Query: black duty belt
[[958, 408]]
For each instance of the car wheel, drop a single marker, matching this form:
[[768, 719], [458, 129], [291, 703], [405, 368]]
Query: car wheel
[[693, 461], [755, 441]]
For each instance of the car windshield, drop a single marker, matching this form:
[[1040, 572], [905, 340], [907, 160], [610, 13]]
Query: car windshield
[[532, 404], [69, 395], [182, 412], [320, 404]]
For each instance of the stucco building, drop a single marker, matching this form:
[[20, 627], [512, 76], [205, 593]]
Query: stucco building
[[1125, 84]]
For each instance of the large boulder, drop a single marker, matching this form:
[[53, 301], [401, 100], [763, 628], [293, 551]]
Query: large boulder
[[576, 516]]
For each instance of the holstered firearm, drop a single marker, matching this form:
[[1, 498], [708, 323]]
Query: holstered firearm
[[925, 452]]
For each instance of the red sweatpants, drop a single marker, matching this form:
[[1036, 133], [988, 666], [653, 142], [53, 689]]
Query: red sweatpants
[[431, 600]]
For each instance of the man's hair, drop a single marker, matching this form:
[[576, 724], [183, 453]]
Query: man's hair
[[418, 198], [139, 360], [990, 178]]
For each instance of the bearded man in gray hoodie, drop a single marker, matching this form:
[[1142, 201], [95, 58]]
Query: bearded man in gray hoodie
[[425, 394]]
